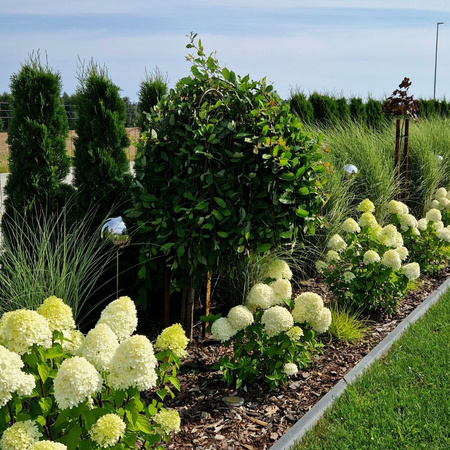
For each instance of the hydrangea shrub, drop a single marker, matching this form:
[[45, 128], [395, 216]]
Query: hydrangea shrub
[[271, 335], [365, 267], [60, 389]]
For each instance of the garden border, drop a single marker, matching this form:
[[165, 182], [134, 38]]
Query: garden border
[[302, 426]]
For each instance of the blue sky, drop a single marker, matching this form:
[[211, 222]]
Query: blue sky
[[348, 47]]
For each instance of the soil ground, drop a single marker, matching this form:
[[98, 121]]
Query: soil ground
[[207, 423]]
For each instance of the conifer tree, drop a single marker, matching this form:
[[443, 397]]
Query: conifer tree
[[101, 172], [38, 129]]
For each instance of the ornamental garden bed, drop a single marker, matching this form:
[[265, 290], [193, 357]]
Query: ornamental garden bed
[[207, 423]]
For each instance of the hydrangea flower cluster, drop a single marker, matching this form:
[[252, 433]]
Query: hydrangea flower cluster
[[309, 308], [58, 314], [276, 319], [20, 436], [12, 378], [168, 421], [48, 445], [361, 268], [121, 316], [108, 430], [173, 338]]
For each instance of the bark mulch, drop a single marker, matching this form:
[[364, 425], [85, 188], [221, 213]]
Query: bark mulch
[[207, 423]]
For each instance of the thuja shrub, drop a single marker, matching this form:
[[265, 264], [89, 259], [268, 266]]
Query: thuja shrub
[[301, 106], [101, 166], [81, 392], [271, 335], [364, 267], [224, 170], [38, 129]]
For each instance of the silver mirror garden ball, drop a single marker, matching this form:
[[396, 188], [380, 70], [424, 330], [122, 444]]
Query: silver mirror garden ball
[[115, 230], [350, 170]]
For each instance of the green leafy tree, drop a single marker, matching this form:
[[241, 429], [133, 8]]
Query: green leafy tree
[[325, 109], [226, 170], [343, 109], [132, 112], [101, 165], [375, 118], [358, 110], [152, 88], [38, 129]]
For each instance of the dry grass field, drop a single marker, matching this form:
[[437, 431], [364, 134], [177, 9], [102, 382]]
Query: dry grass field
[[133, 134]]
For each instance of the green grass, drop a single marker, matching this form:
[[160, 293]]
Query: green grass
[[402, 402], [346, 326]]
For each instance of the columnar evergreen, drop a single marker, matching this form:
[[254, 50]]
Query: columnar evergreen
[[101, 165], [38, 163]]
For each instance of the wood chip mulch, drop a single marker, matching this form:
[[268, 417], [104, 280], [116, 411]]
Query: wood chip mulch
[[207, 423]]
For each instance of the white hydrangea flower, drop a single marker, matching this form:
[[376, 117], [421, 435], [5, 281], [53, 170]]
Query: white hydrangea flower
[[348, 276], [399, 208], [77, 380], [402, 252], [290, 369], [121, 316], [276, 268], [337, 243], [222, 330], [23, 328], [408, 221], [133, 365], [332, 255], [435, 204], [399, 240], [444, 202], [3, 320], [351, 226], [72, 341], [12, 378], [367, 219], [48, 445], [371, 257], [444, 234], [411, 270], [240, 317], [321, 266], [99, 346], [58, 314], [260, 296], [322, 321], [108, 430], [415, 231], [366, 206], [391, 259], [20, 436], [433, 215], [438, 225], [276, 319], [422, 224], [168, 421], [294, 333], [173, 338], [388, 236], [282, 290], [440, 193], [307, 307]]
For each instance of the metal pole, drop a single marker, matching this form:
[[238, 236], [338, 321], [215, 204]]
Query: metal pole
[[435, 58]]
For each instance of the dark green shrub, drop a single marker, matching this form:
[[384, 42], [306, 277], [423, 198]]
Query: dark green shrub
[[444, 109], [152, 88], [358, 110], [300, 105], [325, 109], [375, 119], [343, 109], [101, 165], [226, 171], [38, 163]]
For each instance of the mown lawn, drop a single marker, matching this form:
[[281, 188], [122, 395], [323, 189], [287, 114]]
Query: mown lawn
[[403, 401]]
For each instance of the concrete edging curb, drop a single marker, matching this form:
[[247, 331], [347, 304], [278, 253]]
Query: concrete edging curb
[[302, 426]]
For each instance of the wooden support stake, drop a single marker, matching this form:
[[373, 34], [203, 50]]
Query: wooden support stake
[[166, 311], [208, 297], [398, 139], [405, 158]]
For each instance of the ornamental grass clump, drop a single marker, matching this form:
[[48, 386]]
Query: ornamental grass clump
[[271, 340], [61, 390], [364, 267], [426, 239]]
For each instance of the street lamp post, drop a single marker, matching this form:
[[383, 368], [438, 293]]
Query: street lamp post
[[435, 58]]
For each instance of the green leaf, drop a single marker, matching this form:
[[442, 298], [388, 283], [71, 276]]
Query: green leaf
[[222, 234], [287, 176], [202, 205], [220, 202], [263, 248], [226, 73], [44, 371], [46, 404], [302, 212]]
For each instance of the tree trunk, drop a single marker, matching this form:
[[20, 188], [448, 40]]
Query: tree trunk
[[187, 311]]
